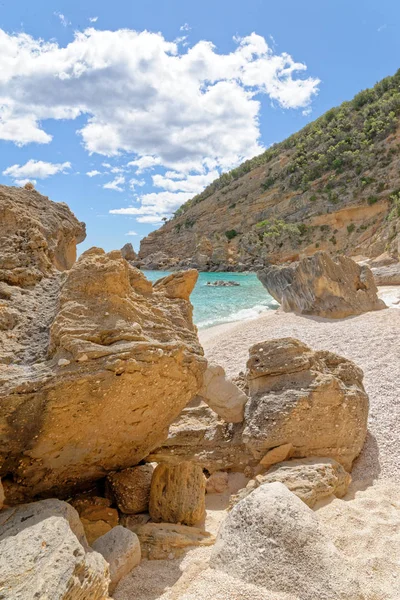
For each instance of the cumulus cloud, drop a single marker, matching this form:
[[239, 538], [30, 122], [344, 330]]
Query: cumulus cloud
[[93, 173], [131, 233], [187, 110], [116, 184], [154, 206], [35, 169], [133, 183], [93, 19]]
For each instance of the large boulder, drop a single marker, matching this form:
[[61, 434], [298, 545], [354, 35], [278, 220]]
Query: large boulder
[[42, 557], [177, 494], [314, 400], [120, 547], [319, 285], [97, 367], [272, 539], [128, 252]]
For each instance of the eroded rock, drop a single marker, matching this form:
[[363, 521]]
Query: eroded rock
[[319, 285], [222, 395], [131, 488], [159, 541]]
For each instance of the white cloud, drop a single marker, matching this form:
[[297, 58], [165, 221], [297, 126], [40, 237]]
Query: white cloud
[[193, 111], [93, 173], [93, 19], [106, 165], [63, 20], [184, 27], [116, 184], [192, 183], [131, 233], [133, 183], [22, 182], [38, 169]]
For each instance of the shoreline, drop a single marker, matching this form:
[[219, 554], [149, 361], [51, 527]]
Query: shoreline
[[390, 294]]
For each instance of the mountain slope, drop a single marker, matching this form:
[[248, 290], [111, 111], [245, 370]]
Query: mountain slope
[[334, 186]]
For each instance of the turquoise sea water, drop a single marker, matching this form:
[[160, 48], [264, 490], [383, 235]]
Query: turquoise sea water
[[215, 305]]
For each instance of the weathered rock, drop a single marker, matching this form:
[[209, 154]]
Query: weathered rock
[[177, 285], [132, 521], [276, 455], [222, 395], [159, 541], [272, 539], [177, 493], [128, 252], [16, 519], [387, 275], [36, 236], [134, 363], [46, 560], [120, 547], [312, 400], [311, 479], [223, 283], [319, 285], [199, 435], [131, 488], [2, 495], [96, 515], [217, 483]]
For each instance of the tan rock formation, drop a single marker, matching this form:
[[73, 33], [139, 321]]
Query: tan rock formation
[[313, 400], [131, 488], [324, 287], [311, 479], [217, 483], [36, 236], [178, 493], [95, 370], [160, 541], [295, 557], [128, 252], [387, 275], [222, 395], [120, 547], [96, 515]]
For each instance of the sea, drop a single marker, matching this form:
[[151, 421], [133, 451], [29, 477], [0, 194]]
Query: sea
[[216, 305]]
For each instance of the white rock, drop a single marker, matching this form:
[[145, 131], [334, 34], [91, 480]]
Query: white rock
[[272, 539], [121, 549], [222, 395], [63, 362]]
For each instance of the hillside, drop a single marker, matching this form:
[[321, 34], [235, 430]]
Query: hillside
[[334, 186]]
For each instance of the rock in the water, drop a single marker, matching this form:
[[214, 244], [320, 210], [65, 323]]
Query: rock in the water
[[131, 488], [41, 557], [177, 493], [128, 252], [314, 400], [217, 483], [272, 539], [159, 541], [222, 283], [311, 479], [319, 285], [387, 275], [120, 547], [133, 352], [222, 395]]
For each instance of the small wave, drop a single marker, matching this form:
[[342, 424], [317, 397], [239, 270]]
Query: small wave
[[244, 314]]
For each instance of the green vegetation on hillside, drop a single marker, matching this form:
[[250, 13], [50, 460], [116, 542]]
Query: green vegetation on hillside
[[342, 140]]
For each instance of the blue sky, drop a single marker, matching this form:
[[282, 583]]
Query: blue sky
[[153, 99]]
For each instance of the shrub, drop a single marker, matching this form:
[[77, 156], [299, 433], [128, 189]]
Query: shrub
[[351, 227], [372, 200], [232, 233]]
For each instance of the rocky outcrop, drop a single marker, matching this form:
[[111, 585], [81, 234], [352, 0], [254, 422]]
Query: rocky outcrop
[[311, 479], [128, 252], [130, 488], [159, 541], [222, 283], [120, 547], [36, 236], [222, 395], [97, 366], [313, 400], [296, 558], [177, 494], [300, 404], [323, 287], [44, 554]]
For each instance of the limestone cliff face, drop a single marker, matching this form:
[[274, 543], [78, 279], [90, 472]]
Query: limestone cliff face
[[333, 186], [95, 362]]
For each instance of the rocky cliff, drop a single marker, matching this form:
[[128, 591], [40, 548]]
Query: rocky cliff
[[333, 186]]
